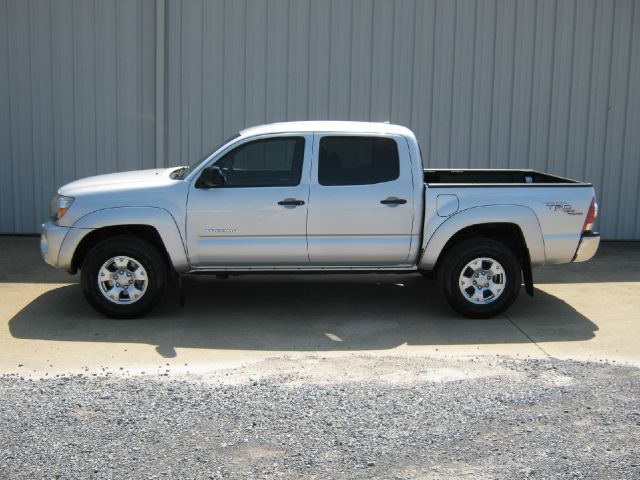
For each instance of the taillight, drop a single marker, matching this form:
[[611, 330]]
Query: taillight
[[591, 216]]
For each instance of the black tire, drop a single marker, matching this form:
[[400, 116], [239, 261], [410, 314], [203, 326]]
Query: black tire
[[457, 259], [146, 254]]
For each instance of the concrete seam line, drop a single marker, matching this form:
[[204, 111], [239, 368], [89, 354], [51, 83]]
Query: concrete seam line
[[526, 335]]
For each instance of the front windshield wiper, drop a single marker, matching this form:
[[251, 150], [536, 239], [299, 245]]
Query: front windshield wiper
[[179, 173]]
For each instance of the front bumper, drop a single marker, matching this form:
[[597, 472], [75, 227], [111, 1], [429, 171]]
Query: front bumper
[[51, 238], [587, 247]]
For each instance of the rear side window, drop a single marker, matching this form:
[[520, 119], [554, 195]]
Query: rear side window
[[357, 160]]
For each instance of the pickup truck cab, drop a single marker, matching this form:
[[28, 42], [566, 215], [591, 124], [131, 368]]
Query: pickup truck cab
[[312, 197]]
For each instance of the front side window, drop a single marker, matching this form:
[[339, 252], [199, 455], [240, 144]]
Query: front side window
[[271, 162], [357, 160]]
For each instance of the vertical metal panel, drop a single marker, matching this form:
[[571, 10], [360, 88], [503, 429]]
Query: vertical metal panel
[[7, 215], [483, 60], [403, 61], [598, 111], [234, 64], [298, 64], [579, 90], [340, 54], [319, 60], [463, 76], [277, 49], [381, 53], [438, 140], [421, 94], [213, 113], [503, 68], [628, 223], [106, 88], [20, 106], [541, 93], [546, 84], [618, 107], [522, 82], [361, 60]]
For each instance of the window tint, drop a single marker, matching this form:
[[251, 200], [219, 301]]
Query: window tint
[[272, 162], [357, 160]]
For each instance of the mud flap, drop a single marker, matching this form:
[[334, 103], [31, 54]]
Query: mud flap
[[178, 279], [527, 274]]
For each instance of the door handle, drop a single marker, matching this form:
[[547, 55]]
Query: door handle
[[291, 202], [393, 201]]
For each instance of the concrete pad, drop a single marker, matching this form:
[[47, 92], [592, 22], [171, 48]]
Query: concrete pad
[[46, 327]]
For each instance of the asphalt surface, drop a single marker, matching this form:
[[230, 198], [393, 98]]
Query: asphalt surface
[[332, 376]]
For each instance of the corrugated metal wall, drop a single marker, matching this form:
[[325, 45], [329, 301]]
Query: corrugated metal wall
[[546, 84], [77, 97]]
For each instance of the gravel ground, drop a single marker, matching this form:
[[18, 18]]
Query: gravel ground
[[356, 417]]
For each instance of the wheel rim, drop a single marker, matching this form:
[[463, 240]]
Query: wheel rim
[[122, 280], [482, 281]]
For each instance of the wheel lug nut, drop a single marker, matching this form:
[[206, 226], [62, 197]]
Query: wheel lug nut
[[115, 277], [117, 284]]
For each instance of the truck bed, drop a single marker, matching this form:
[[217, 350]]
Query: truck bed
[[471, 177]]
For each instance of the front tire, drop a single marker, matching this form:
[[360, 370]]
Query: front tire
[[480, 278], [124, 277]]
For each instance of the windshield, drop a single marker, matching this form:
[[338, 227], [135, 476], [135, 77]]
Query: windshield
[[180, 173]]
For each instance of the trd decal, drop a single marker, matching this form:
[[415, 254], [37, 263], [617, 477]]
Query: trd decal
[[562, 207]]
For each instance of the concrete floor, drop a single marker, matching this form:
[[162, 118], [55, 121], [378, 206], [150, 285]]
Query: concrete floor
[[584, 311]]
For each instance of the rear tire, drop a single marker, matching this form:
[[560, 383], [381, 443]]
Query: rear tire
[[480, 278], [124, 277]]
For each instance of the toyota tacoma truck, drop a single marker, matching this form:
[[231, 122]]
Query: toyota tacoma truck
[[316, 197]]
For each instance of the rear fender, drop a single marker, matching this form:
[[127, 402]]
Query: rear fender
[[518, 215]]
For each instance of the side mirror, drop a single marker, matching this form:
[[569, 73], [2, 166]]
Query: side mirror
[[210, 177]]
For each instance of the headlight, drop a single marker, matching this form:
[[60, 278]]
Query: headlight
[[59, 206]]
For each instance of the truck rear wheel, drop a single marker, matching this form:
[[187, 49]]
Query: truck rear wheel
[[124, 277], [480, 278]]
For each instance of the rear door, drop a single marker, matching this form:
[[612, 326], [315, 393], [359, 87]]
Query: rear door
[[361, 201]]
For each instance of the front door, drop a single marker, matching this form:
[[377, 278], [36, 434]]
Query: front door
[[258, 216], [361, 202]]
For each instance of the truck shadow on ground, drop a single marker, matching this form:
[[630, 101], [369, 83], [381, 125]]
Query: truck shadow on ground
[[300, 313]]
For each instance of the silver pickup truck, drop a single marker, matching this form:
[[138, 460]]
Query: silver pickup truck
[[316, 197]]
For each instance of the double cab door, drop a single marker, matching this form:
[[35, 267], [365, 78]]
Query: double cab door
[[305, 200]]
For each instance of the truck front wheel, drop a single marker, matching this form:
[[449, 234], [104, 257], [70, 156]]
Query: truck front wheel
[[123, 277], [480, 278]]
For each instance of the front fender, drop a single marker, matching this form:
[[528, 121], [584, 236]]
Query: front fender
[[519, 215], [156, 217]]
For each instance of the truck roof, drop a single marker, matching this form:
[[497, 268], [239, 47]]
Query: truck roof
[[328, 126]]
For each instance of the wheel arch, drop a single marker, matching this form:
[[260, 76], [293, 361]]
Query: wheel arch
[[144, 232], [514, 225], [155, 225]]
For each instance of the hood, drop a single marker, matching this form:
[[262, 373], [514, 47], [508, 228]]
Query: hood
[[137, 179]]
